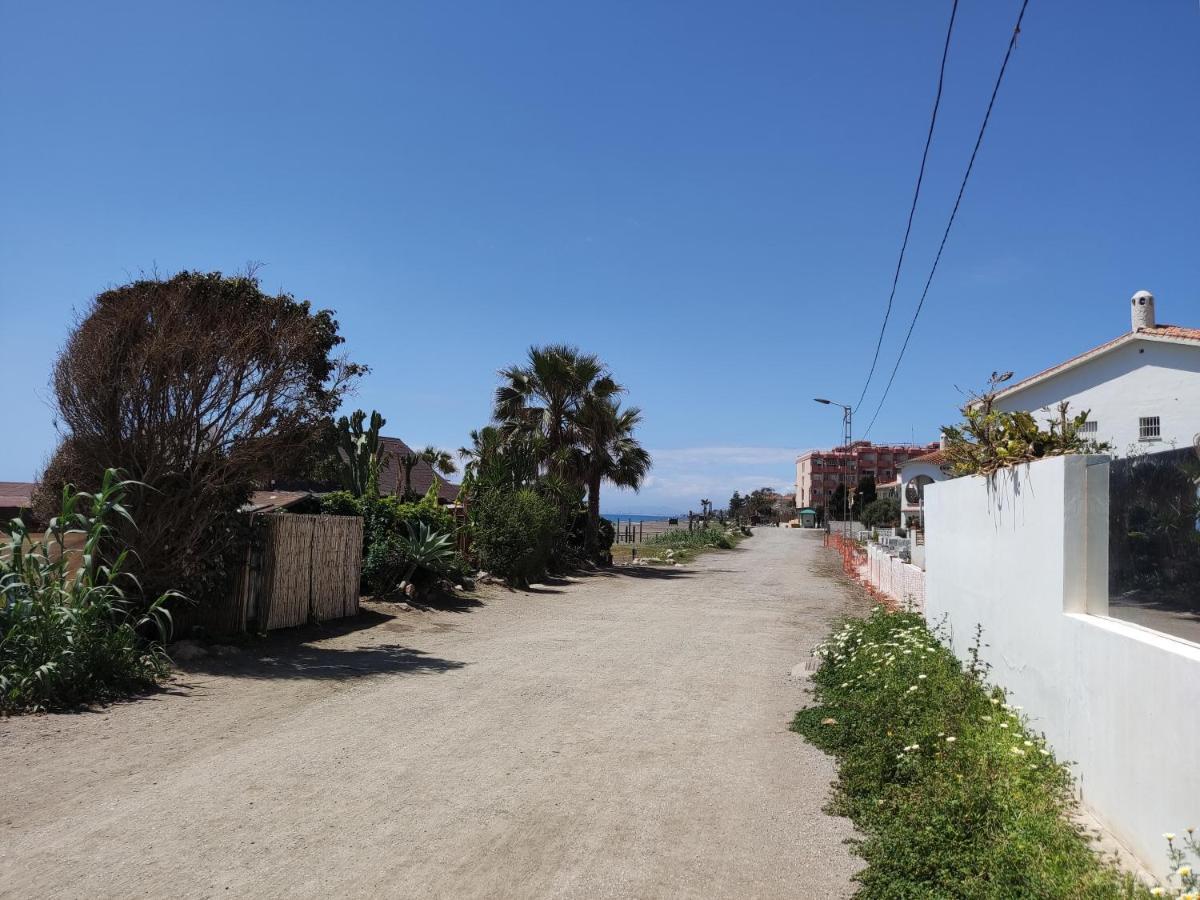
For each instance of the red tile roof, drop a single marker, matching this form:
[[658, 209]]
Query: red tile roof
[[422, 475], [16, 494], [1169, 333], [936, 458]]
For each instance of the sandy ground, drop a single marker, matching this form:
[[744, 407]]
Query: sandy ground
[[620, 735]]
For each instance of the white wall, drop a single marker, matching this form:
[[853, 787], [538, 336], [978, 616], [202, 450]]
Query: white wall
[[1025, 555], [1141, 378], [902, 582]]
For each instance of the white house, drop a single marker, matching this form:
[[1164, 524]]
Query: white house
[[1142, 388], [911, 482]]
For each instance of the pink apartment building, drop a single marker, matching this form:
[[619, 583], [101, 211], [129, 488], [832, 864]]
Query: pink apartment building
[[819, 472]]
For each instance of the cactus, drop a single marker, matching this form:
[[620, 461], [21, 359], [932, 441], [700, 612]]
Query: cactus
[[359, 453]]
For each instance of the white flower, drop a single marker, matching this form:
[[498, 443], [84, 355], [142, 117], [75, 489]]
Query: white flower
[[1169, 835], [922, 675], [1029, 743], [1018, 751], [1003, 724], [951, 739]]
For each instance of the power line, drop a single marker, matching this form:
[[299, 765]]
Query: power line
[[937, 101], [950, 223]]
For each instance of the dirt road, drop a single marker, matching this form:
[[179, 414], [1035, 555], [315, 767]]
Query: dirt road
[[619, 735]]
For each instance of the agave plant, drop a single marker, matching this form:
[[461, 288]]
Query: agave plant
[[71, 629], [424, 548]]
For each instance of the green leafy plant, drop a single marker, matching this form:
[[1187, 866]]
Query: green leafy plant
[[881, 513], [516, 534], [954, 796], [990, 439], [395, 563], [70, 630], [386, 522], [360, 457], [1183, 871]]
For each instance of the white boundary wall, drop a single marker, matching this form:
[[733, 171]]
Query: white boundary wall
[[1025, 555], [893, 577]]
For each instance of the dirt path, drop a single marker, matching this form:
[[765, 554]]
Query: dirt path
[[617, 736]]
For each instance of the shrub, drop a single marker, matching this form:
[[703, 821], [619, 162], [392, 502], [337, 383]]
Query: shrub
[[990, 439], [881, 513], [202, 387], [516, 533], [954, 796], [69, 633], [415, 558], [386, 525]]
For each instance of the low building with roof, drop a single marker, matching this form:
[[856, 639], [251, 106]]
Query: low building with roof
[[1142, 389], [391, 479], [915, 475], [16, 499]]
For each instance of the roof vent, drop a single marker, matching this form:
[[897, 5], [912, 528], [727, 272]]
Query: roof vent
[[1142, 310]]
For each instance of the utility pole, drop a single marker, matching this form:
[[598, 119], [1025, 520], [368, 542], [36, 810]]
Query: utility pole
[[847, 440]]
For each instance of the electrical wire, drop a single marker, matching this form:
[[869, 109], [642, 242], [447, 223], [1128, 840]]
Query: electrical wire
[[937, 101], [950, 223]]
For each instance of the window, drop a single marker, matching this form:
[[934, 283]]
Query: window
[[1090, 427], [1149, 429]]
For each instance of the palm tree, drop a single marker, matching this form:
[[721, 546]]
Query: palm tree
[[609, 452], [546, 395], [439, 460]]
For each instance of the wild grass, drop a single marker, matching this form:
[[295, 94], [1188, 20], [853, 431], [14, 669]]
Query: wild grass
[[70, 630], [954, 796], [682, 545]]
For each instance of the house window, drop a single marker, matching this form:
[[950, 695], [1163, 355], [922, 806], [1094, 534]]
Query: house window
[[1091, 427], [1149, 428]]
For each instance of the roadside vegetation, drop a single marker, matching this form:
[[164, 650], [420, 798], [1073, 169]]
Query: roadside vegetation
[[953, 794], [533, 477], [989, 439], [682, 545], [73, 629]]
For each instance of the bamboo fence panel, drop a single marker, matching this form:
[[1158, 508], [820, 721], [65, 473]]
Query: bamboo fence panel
[[336, 558], [310, 569]]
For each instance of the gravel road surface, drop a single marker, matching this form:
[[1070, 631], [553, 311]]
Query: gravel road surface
[[617, 735]]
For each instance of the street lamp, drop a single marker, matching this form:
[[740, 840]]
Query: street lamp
[[847, 438]]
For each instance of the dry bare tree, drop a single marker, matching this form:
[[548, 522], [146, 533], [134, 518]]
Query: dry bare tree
[[204, 388]]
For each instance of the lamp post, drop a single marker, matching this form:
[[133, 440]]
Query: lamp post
[[847, 432]]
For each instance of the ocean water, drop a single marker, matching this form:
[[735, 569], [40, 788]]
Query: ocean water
[[638, 517]]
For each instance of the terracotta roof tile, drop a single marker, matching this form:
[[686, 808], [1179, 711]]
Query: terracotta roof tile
[[422, 475], [936, 458], [16, 494]]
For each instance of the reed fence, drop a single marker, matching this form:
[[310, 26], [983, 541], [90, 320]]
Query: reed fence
[[310, 569]]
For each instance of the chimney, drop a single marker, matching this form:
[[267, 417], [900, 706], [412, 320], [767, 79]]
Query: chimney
[[1142, 311]]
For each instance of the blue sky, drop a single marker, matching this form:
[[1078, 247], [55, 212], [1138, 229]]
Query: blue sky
[[710, 196]]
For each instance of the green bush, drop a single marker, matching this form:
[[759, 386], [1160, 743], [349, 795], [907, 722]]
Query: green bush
[[386, 524], [69, 633], [954, 796], [881, 513], [516, 534]]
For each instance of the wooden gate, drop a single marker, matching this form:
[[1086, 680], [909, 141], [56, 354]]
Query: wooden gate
[[310, 569]]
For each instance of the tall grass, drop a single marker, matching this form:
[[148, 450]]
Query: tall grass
[[692, 540], [71, 630]]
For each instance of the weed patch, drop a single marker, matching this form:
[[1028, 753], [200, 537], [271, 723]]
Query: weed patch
[[953, 794]]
